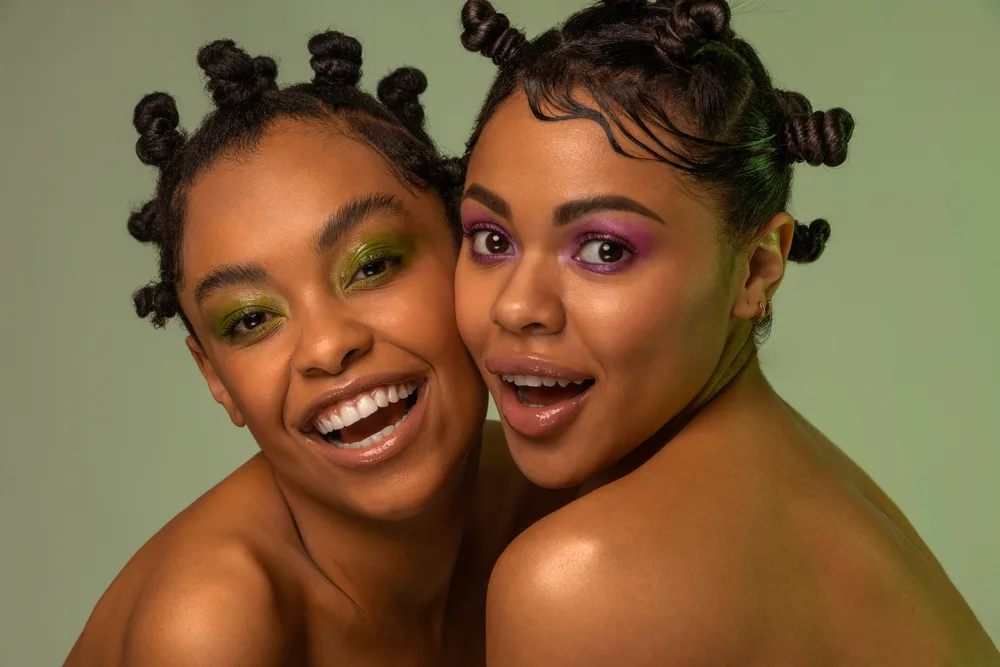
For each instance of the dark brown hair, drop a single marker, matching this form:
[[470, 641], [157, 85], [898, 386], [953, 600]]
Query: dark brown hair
[[247, 102], [674, 67]]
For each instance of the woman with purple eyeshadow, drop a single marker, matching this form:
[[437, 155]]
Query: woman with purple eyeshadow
[[616, 280]]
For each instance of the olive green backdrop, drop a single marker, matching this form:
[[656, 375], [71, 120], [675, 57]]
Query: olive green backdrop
[[108, 430]]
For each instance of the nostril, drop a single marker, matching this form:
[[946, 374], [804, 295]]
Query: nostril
[[352, 355]]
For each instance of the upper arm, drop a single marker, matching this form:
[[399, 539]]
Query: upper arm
[[573, 600], [224, 612]]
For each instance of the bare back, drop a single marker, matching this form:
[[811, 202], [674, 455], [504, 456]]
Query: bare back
[[749, 539]]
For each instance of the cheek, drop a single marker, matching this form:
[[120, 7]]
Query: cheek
[[257, 381], [473, 301], [420, 314], [656, 330]]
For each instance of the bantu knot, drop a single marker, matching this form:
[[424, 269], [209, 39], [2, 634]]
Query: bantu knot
[[793, 104], [449, 174], [400, 91], [144, 223], [336, 59], [490, 33], [155, 119], [809, 242], [819, 138], [234, 78], [157, 301], [692, 24]]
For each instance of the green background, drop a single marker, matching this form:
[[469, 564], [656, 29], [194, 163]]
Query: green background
[[108, 429]]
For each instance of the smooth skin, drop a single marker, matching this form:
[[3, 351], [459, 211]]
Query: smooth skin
[[295, 559], [715, 525]]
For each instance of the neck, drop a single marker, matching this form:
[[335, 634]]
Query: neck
[[393, 571], [739, 356]]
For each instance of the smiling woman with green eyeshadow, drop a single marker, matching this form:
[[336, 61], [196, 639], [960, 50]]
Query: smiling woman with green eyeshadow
[[307, 240]]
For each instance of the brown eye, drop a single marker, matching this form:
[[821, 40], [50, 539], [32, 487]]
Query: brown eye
[[253, 321], [373, 269], [377, 267], [490, 242], [249, 322], [602, 252]]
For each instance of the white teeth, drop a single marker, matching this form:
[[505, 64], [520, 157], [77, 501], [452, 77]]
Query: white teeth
[[537, 381], [349, 415], [352, 411], [367, 406]]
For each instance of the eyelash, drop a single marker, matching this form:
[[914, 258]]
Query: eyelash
[[469, 233], [391, 259], [590, 237], [228, 329]]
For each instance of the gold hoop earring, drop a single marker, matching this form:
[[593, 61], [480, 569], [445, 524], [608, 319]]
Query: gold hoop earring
[[763, 313]]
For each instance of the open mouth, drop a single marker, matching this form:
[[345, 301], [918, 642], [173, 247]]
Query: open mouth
[[369, 418], [534, 391]]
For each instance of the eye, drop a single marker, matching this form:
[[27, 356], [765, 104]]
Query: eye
[[249, 322], [375, 269], [490, 242], [600, 251], [372, 269]]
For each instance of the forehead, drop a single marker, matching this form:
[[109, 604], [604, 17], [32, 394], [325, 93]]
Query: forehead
[[554, 161], [278, 195]]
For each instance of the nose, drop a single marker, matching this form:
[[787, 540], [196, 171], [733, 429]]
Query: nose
[[330, 341], [529, 303]]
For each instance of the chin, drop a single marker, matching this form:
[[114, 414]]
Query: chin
[[413, 492], [549, 465]]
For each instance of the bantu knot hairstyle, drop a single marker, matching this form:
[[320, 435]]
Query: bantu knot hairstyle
[[490, 33], [730, 129], [234, 78], [400, 92], [248, 102], [156, 119], [336, 60]]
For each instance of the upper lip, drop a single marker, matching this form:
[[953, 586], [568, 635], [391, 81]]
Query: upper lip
[[530, 365], [307, 420]]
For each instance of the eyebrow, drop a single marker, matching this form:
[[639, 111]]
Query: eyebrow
[[231, 275], [350, 215], [575, 210], [489, 199], [568, 212]]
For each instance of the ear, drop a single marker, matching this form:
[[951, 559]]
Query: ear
[[219, 391], [765, 266]]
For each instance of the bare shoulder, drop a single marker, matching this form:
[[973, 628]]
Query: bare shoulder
[[218, 606], [587, 585], [205, 589]]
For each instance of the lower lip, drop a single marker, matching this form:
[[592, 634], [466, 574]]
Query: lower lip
[[538, 422], [396, 442]]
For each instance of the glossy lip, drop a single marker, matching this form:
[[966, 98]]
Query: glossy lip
[[529, 365], [536, 423], [402, 437], [306, 423]]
